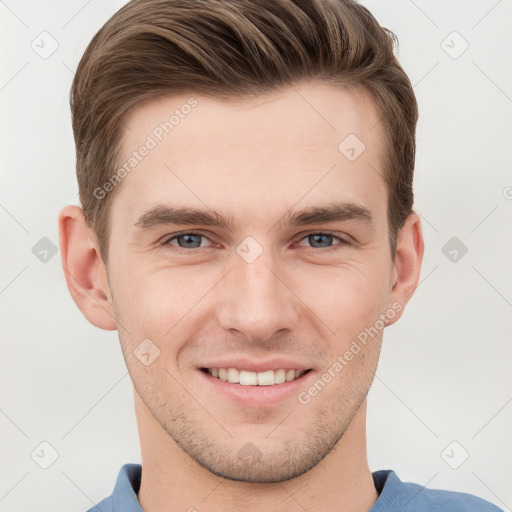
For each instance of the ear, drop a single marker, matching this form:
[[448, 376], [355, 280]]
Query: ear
[[407, 265], [85, 272]]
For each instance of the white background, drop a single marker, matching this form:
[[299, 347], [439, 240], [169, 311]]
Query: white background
[[444, 373]]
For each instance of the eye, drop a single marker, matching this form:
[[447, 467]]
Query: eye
[[323, 240], [187, 240]]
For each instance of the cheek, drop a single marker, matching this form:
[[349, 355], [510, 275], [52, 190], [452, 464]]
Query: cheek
[[155, 309], [347, 297], [341, 299], [155, 302]]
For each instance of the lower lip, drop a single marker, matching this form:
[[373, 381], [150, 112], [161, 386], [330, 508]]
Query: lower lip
[[257, 396]]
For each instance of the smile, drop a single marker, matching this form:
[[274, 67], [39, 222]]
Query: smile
[[248, 378]]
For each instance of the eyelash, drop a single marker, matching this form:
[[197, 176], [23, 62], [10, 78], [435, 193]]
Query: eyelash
[[166, 243]]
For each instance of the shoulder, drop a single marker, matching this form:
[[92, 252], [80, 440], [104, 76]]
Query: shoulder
[[439, 501], [411, 497], [124, 495], [103, 506]]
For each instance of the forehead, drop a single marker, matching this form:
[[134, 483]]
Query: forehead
[[296, 144]]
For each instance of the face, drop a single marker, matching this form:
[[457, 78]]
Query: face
[[281, 271]]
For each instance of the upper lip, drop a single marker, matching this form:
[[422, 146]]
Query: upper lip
[[253, 365]]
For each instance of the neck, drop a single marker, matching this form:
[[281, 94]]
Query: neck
[[172, 479]]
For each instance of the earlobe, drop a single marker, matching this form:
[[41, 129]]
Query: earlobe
[[84, 269], [407, 265]]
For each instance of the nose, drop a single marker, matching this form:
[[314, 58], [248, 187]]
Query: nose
[[257, 300]]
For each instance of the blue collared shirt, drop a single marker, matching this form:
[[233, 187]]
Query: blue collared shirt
[[394, 496]]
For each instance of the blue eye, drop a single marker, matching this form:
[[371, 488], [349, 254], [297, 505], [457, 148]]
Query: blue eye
[[194, 240], [322, 239], [188, 240]]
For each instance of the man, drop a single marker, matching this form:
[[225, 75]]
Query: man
[[245, 173]]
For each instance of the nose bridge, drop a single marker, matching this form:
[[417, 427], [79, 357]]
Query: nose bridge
[[256, 301]]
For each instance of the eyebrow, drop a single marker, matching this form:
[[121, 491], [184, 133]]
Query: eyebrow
[[335, 212]]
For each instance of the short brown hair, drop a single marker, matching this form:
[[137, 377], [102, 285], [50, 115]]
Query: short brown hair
[[234, 48]]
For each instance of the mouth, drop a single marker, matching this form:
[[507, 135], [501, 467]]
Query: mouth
[[255, 384], [250, 378]]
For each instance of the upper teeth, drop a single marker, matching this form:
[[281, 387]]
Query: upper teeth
[[247, 378]]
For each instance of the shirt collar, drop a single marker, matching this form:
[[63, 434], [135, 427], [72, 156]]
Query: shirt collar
[[124, 497]]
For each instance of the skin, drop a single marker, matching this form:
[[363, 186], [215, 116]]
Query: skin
[[255, 160]]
